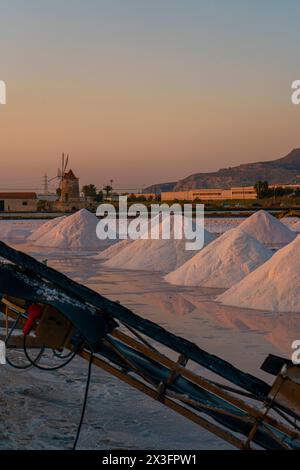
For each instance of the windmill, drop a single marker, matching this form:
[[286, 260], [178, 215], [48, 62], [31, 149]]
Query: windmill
[[60, 173], [64, 163]]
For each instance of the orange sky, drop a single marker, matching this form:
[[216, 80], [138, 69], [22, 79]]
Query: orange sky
[[144, 94]]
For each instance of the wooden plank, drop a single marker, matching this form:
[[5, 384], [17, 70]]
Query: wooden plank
[[218, 431], [175, 367], [202, 382], [16, 342]]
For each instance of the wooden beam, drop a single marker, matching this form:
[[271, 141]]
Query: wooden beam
[[218, 431], [202, 382]]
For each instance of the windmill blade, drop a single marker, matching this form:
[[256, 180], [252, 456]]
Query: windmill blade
[[62, 164], [66, 164]]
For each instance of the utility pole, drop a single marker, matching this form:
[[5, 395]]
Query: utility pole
[[46, 189]]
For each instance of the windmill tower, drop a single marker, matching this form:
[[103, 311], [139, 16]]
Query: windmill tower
[[69, 184]]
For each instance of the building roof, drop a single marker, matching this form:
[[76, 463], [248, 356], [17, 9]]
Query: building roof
[[16, 195]]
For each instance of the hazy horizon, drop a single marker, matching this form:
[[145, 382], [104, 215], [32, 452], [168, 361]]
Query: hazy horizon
[[145, 92]]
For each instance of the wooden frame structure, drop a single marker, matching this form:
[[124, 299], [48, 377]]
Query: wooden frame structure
[[239, 408], [176, 402]]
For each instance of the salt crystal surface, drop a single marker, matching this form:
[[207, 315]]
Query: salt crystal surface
[[75, 231], [113, 250], [296, 226], [120, 245], [223, 262], [45, 228], [267, 229], [274, 286], [154, 255]]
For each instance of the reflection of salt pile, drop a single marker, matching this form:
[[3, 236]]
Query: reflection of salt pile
[[267, 229], [274, 286], [76, 231], [45, 228], [155, 255], [223, 262]]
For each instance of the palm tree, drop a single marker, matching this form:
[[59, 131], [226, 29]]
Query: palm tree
[[108, 189], [262, 188]]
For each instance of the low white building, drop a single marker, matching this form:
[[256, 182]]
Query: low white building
[[243, 192], [18, 202]]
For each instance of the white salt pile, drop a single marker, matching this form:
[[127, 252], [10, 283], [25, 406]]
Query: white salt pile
[[113, 250], [296, 226], [223, 262], [267, 229], [75, 231], [117, 247], [45, 228], [289, 221], [274, 286], [154, 255]]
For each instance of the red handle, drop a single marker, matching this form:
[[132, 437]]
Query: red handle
[[34, 313]]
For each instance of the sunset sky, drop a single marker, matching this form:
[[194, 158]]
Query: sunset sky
[[145, 91]]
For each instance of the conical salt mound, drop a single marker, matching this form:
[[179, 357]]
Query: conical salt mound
[[154, 255], [274, 286], [120, 245], [223, 262], [76, 231], [296, 226], [45, 228], [267, 229], [113, 250]]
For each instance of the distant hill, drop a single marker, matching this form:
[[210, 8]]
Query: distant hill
[[160, 187], [283, 170]]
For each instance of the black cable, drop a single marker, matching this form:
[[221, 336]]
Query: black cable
[[88, 380], [60, 355], [35, 364], [9, 362]]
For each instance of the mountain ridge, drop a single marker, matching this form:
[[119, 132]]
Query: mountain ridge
[[284, 170]]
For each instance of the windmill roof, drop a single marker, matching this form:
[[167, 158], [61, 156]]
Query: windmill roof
[[70, 175]]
